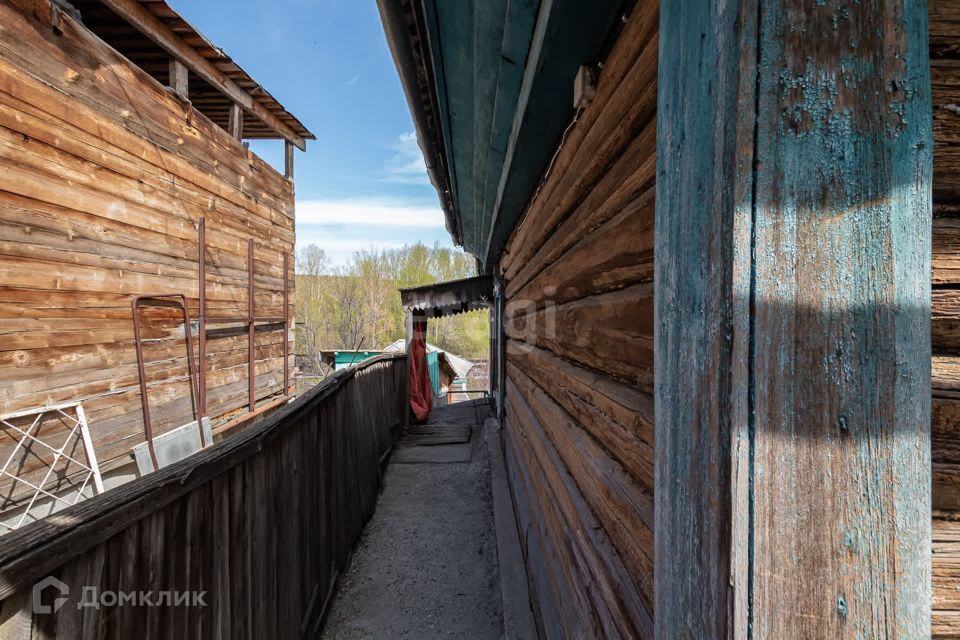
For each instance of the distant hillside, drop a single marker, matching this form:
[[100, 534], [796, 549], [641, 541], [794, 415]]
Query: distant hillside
[[358, 305]]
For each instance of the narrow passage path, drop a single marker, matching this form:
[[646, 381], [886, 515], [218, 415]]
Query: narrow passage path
[[426, 565]]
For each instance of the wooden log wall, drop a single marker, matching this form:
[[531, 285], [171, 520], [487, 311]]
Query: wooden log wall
[[105, 177], [580, 367], [262, 522], [945, 328], [578, 277]]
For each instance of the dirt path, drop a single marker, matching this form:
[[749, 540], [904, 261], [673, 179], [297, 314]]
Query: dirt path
[[426, 566]]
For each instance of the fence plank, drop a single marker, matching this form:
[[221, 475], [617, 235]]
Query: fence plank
[[260, 522]]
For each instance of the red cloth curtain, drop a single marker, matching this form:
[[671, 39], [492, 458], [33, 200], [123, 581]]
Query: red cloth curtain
[[421, 392]]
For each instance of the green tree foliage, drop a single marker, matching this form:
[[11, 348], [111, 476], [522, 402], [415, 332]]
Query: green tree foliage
[[357, 306]]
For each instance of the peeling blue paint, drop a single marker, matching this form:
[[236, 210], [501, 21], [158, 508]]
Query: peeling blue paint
[[839, 306]]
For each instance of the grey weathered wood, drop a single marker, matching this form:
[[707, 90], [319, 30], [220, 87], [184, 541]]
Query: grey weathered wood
[[518, 621], [257, 521], [288, 155], [235, 123], [701, 323], [792, 316], [179, 77]]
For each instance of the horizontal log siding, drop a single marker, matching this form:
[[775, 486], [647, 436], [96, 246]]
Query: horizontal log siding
[[945, 328], [105, 177], [262, 522], [579, 324]]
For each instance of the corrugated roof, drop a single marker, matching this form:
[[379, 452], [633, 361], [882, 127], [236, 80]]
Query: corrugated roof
[[450, 297], [460, 365]]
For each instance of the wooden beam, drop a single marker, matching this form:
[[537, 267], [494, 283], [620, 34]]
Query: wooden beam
[[152, 27], [179, 78], [793, 321], [526, 87], [288, 160], [408, 340], [235, 123]]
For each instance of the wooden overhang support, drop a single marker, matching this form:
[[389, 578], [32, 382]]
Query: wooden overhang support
[[235, 123], [152, 27], [251, 332], [793, 320], [288, 160], [408, 340], [202, 312], [179, 78]]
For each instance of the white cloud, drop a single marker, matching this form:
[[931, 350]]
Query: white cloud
[[367, 211], [353, 80], [407, 165]]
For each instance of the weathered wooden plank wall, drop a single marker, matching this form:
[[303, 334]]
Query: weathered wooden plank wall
[[945, 77], [579, 377], [105, 177], [839, 374], [262, 522], [793, 320], [585, 247]]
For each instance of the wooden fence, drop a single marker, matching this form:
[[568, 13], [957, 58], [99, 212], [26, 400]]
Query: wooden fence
[[261, 523]]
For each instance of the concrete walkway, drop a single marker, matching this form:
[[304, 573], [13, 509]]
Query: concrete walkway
[[426, 565]]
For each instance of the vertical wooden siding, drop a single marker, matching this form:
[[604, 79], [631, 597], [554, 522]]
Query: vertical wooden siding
[[262, 523], [105, 177], [587, 236], [579, 375], [945, 76]]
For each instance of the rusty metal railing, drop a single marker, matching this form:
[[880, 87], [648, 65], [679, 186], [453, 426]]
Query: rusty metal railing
[[180, 301]]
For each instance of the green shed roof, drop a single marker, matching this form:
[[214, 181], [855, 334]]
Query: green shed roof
[[352, 357]]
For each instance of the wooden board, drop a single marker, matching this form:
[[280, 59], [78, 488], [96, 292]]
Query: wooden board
[[435, 436], [604, 598]]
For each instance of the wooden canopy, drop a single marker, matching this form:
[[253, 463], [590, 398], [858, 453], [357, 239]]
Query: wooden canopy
[[449, 298], [150, 33]]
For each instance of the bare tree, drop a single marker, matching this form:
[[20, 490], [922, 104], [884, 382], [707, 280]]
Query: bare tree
[[312, 261], [346, 321], [338, 305]]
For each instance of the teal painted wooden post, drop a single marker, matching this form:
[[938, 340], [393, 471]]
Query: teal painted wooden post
[[793, 320], [704, 148]]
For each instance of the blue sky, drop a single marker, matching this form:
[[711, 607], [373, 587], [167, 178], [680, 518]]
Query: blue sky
[[362, 183]]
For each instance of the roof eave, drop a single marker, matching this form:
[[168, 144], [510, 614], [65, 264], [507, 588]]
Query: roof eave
[[206, 60], [404, 25]]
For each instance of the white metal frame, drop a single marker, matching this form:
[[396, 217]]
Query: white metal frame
[[79, 430]]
